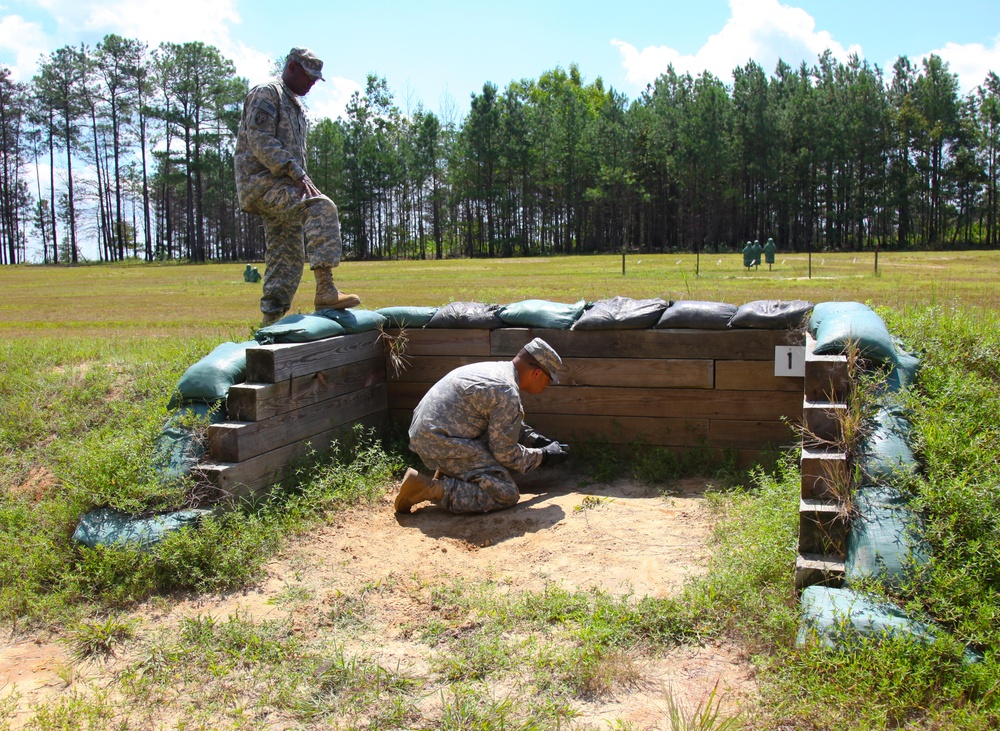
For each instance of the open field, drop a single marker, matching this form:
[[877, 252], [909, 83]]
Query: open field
[[619, 594], [137, 300]]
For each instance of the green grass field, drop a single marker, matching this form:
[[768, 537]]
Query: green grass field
[[88, 358], [139, 301]]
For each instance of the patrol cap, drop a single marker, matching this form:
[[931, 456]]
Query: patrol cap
[[543, 354], [308, 61]]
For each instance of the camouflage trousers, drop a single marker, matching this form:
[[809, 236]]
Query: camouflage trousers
[[474, 482], [296, 230]]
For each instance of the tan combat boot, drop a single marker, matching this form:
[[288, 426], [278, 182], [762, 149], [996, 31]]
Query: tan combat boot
[[327, 295], [270, 318], [416, 488]]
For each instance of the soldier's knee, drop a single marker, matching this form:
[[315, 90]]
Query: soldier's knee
[[507, 498], [321, 206]]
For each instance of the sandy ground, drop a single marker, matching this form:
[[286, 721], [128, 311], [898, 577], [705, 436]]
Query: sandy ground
[[623, 537]]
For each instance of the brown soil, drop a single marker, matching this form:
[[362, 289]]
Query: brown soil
[[623, 538]]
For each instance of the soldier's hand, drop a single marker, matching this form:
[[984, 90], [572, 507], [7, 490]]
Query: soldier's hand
[[308, 187], [554, 453]]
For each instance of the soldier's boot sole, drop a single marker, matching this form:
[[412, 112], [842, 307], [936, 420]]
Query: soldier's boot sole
[[340, 302]]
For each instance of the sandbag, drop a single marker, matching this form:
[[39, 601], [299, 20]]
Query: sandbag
[[885, 538], [771, 314], [884, 456], [355, 321], [541, 314], [836, 617], [110, 527], [402, 317], [838, 325], [471, 315], [904, 371], [299, 329], [621, 313], [696, 315], [826, 310], [180, 445], [209, 379]]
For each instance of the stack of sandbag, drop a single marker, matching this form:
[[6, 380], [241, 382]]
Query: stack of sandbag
[[885, 540]]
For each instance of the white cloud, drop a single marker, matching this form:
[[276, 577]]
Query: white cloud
[[971, 61], [761, 30], [151, 20], [329, 98], [254, 65], [27, 41]]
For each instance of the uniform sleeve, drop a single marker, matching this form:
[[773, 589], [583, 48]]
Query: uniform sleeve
[[503, 432], [261, 119]]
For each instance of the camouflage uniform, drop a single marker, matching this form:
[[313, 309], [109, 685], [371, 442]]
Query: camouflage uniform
[[270, 160], [468, 426]]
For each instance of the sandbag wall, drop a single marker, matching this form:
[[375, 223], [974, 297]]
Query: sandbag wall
[[857, 523], [854, 520]]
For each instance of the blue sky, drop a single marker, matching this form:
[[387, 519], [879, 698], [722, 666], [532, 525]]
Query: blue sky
[[439, 52]]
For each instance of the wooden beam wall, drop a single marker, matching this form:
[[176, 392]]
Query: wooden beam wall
[[670, 388]]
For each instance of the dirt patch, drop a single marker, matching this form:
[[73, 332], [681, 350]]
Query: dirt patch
[[39, 482], [623, 538]]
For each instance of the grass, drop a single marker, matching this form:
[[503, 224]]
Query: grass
[[178, 302], [91, 354]]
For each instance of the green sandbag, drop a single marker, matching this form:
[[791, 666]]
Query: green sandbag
[[885, 456], [904, 371], [542, 314], [110, 527], [403, 317], [621, 313], [355, 321], [885, 538], [209, 379], [835, 618], [838, 325], [299, 329], [181, 444], [830, 310]]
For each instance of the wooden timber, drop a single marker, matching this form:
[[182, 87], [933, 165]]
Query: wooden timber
[[825, 471]]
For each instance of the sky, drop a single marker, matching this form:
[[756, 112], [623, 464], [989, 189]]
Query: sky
[[437, 53]]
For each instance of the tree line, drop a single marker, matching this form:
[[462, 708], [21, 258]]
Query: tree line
[[127, 151]]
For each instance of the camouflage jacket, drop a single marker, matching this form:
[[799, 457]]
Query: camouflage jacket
[[270, 143], [480, 402]]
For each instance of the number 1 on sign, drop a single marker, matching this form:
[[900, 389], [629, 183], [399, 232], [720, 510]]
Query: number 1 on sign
[[790, 360]]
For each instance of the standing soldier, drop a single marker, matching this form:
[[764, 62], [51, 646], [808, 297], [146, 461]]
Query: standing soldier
[[299, 221]]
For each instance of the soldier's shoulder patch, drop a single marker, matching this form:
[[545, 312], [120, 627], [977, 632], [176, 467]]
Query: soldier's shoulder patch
[[262, 114], [263, 105]]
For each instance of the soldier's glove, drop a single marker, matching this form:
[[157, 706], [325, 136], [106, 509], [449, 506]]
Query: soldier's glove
[[554, 453], [534, 439]]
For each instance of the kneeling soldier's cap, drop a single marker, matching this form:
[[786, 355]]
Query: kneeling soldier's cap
[[308, 61], [545, 356]]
